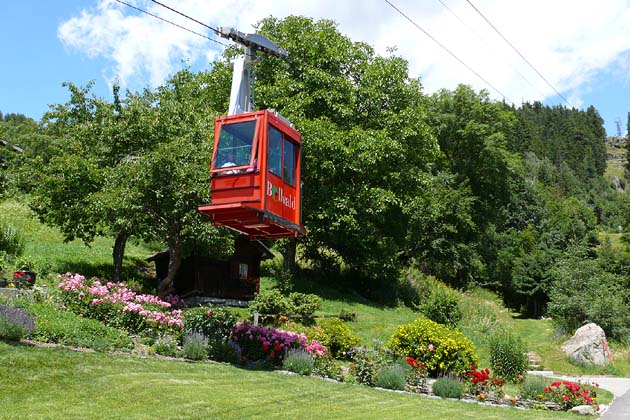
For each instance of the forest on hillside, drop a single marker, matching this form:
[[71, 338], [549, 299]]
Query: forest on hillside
[[397, 183]]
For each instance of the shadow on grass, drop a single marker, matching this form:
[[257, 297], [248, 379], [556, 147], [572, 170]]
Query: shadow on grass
[[135, 269], [338, 287]]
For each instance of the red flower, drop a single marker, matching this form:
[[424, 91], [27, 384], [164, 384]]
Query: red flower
[[412, 362], [18, 274], [265, 347], [277, 346]]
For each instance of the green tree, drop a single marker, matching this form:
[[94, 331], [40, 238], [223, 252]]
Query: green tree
[[136, 166], [366, 144]]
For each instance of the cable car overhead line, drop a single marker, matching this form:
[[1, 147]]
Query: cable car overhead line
[[485, 41], [518, 52], [172, 23], [449, 51], [187, 17]]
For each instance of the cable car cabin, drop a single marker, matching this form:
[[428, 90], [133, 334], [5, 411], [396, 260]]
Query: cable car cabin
[[255, 176]]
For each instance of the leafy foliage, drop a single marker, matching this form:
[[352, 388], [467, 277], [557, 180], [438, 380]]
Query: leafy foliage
[[508, 355], [15, 322], [54, 325], [442, 306], [270, 302], [533, 387], [214, 323], [584, 291], [440, 348], [299, 361], [195, 346], [335, 335], [11, 240], [448, 388], [391, 376], [273, 303]]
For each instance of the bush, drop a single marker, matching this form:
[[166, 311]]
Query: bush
[[299, 361], [440, 348], [273, 303], [508, 355], [53, 325], [442, 306], [583, 291], [533, 387], [304, 305], [391, 376], [15, 323], [365, 365], [195, 346], [11, 240], [214, 323], [327, 367], [448, 388], [270, 302], [335, 335], [165, 345], [118, 306]]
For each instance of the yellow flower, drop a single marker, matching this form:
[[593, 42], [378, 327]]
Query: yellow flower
[[481, 397]]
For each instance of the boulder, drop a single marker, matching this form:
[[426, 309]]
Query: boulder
[[587, 346], [585, 410]]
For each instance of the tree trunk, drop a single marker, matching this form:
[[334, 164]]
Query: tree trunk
[[118, 254], [289, 255], [174, 261]]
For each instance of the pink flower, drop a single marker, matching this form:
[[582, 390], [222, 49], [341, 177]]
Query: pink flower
[[431, 347]]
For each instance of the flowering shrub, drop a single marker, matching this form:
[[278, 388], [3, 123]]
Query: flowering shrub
[[23, 279], [316, 349], [569, 394], [215, 323], [441, 349], [257, 343], [335, 335], [418, 377], [481, 382], [117, 305]]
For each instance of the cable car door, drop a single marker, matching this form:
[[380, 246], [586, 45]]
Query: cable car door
[[282, 176]]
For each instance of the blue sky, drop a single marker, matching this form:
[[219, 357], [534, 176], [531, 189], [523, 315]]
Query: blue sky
[[581, 47]]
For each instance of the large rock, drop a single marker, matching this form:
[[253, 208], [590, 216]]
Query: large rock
[[587, 345]]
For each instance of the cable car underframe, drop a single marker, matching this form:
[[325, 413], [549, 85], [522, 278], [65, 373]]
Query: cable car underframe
[[256, 163]]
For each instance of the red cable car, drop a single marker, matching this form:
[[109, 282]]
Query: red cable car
[[256, 176], [256, 160]]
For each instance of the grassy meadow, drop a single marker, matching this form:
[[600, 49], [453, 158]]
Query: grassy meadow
[[58, 383]]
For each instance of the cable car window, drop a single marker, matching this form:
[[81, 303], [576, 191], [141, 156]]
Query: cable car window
[[274, 154], [235, 144], [290, 160]]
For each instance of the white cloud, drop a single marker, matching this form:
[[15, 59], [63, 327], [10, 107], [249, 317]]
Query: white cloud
[[568, 41]]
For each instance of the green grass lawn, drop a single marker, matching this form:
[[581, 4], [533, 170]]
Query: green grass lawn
[[62, 384], [50, 254], [66, 384]]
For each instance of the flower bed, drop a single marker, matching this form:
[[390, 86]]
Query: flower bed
[[117, 305], [258, 343]]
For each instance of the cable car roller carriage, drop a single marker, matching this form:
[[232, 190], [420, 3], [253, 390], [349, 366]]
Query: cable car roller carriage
[[256, 162]]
